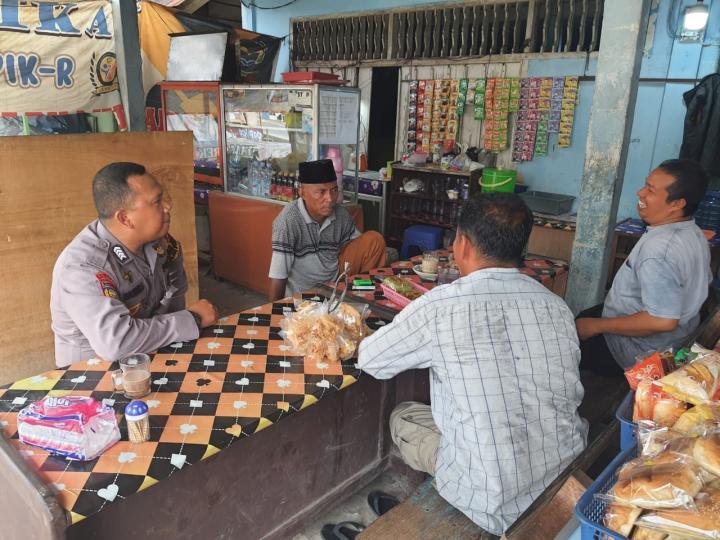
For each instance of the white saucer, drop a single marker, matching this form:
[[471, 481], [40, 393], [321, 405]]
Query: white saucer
[[424, 275]]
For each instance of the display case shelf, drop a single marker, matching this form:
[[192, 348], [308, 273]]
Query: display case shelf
[[269, 129]]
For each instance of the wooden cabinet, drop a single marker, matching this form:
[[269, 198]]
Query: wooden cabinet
[[420, 195]]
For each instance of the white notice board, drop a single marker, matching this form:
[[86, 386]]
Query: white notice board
[[338, 117]]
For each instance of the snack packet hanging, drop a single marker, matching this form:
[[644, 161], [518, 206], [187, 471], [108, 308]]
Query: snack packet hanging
[[74, 427], [696, 382], [318, 334]]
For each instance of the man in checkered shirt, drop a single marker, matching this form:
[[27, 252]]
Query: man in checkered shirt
[[504, 379]]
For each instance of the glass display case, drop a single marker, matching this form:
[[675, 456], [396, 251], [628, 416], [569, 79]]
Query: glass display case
[[269, 129], [195, 106]]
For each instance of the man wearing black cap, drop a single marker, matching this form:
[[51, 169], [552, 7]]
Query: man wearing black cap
[[312, 237]]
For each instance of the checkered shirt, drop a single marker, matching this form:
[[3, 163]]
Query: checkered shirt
[[505, 387]]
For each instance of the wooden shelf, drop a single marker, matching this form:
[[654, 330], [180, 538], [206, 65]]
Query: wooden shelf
[[432, 170], [424, 221], [424, 197]]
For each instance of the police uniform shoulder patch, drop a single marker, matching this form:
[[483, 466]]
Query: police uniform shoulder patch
[[107, 285], [172, 249], [119, 253]]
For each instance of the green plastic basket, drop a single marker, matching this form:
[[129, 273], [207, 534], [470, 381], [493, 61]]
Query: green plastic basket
[[498, 180]]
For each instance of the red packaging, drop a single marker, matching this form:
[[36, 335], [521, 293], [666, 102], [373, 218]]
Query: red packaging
[[650, 368]]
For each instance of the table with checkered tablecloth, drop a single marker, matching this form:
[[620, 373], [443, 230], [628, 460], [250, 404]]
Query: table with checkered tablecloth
[[238, 378]]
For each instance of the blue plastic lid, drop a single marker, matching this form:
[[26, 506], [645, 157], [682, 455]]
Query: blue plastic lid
[[136, 408]]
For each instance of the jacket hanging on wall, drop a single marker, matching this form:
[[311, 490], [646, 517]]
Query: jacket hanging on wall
[[701, 134]]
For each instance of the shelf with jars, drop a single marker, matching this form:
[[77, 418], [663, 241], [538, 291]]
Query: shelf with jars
[[427, 195]]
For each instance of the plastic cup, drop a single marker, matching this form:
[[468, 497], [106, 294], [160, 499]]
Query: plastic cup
[[135, 375], [447, 274], [430, 262]]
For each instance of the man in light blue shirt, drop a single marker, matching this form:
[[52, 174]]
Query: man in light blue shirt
[[656, 296]]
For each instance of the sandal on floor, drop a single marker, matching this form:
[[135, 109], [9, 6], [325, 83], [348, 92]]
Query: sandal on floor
[[381, 502], [345, 530]]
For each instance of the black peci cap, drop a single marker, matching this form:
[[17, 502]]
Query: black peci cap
[[317, 172]]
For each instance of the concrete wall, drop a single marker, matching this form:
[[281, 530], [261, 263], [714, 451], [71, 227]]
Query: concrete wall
[[659, 113]]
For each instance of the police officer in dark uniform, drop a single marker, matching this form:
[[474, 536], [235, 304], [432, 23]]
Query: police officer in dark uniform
[[119, 287]]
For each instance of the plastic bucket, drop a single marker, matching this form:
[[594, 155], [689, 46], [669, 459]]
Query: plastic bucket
[[498, 180]]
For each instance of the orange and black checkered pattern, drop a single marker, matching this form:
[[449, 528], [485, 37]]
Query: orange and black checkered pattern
[[238, 378]]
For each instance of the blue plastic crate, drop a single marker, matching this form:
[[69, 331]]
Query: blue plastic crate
[[628, 428], [590, 511]]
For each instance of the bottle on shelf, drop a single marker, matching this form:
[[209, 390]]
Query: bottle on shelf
[[296, 186], [288, 188], [273, 186], [464, 190]]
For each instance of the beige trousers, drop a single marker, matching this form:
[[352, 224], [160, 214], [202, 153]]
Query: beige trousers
[[417, 437]]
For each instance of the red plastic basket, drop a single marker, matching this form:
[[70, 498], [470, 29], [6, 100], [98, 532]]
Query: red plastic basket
[[397, 298]]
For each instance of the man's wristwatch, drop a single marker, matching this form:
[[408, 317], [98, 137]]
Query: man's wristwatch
[[198, 320]]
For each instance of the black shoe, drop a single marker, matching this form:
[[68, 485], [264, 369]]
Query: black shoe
[[345, 530], [381, 502]]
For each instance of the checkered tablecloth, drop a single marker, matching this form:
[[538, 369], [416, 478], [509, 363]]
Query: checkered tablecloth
[[543, 270], [238, 378]]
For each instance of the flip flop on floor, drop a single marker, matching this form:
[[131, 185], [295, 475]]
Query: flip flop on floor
[[381, 502], [345, 530]]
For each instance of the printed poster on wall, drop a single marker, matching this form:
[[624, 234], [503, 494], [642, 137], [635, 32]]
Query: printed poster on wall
[[58, 58]]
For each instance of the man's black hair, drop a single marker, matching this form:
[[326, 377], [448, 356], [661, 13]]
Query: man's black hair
[[498, 225], [691, 182], [110, 188]]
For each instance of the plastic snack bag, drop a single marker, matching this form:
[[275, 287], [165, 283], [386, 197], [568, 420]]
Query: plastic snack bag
[[319, 334], [696, 382], [74, 427], [621, 518], [699, 420], [648, 367], [652, 403], [700, 522], [672, 484]]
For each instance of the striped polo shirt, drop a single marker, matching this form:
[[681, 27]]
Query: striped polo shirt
[[304, 251]]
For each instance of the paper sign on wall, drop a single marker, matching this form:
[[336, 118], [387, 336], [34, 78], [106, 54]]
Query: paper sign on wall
[[338, 117]]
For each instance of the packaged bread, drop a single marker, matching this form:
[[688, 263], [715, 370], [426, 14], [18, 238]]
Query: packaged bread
[[696, 382], [702, 521], [706, 452], [643, 533], [667, 485], [621, 518], [699, 419], [652, 403]]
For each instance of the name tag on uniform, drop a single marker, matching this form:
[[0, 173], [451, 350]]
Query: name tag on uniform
[[133, 292]]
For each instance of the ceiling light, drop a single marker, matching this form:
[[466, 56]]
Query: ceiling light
[[695, 17]]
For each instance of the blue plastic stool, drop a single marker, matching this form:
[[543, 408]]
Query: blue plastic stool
[[426, 237]]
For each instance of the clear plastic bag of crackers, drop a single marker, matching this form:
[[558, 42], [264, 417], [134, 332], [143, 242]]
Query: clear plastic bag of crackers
[[317, 332]]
